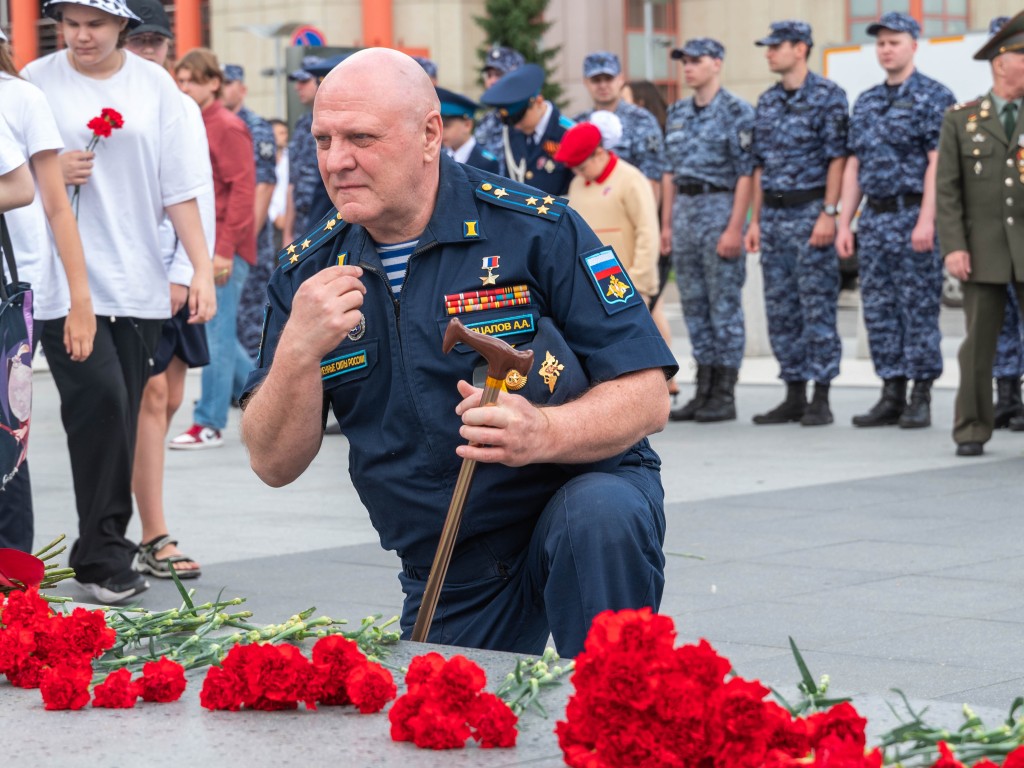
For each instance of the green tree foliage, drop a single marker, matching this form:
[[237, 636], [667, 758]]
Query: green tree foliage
[[520, 24]]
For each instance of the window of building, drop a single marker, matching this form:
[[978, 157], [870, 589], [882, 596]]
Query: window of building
[[664, 39], [937, 17]]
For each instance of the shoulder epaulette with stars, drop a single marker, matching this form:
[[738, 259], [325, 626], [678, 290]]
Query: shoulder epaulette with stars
[[525, 201], [326, 228], [965, 105]]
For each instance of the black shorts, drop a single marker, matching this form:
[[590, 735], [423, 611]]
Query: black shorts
[[179, 339]]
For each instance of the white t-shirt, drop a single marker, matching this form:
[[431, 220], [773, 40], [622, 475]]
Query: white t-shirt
[[176, 261], [279, 200], [28, 115], [11, 156], [138, 172]]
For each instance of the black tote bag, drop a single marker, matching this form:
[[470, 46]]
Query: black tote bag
[[15, 363]]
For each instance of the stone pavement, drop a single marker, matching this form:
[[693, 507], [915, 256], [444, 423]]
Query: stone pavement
[[891, 563]]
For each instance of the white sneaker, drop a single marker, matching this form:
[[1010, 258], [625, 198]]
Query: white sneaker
[[197, 438], [111, 591]]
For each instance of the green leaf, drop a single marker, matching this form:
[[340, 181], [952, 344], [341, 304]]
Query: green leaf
[[1017, 703], [805, 673], [181, 590]]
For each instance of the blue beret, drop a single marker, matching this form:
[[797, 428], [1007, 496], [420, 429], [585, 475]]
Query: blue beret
[[896, 22], [514, 90], [700, 46], [997, 23], [233, 73], [601, 63], [455, 104], [503, 59], [428, 66], [788, 31]]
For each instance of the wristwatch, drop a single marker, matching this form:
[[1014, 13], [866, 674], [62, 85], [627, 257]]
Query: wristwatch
[[831, 210]]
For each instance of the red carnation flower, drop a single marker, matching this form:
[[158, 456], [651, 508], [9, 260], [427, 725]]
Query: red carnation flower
[[370, 687], [841, 722], [113, 117], [99, 127], [118, 691], [65, 686], [946, 758], [162, 681], [493, 723], [87, 634], [423, 668], [221, 690], [334, 658], [1015, 759]]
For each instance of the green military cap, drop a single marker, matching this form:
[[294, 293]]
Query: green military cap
[[1010, 37]]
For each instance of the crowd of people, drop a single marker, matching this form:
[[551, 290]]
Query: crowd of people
[[594, 212]]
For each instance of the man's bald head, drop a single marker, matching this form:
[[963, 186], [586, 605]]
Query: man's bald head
[[377, 124], [386, 77]]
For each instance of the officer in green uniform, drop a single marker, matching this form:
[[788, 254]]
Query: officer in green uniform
[[980, 214]]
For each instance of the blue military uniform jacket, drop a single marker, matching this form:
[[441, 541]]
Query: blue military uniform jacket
[[892, 130], [483, 160], [303, 172], [797, 135], [392, 388], [540, 169], [712, 145]]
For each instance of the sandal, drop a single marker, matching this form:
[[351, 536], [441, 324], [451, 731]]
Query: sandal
[[148, 562]]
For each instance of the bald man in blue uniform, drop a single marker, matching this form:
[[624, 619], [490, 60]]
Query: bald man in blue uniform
[[565, 516]]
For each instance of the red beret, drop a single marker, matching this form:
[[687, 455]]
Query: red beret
[[578, 143]]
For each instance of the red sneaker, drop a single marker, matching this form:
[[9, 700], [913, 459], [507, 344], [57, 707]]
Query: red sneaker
[[197, 438]]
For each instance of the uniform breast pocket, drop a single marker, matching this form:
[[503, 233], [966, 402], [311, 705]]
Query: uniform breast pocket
[[349, 363], [514, 326]]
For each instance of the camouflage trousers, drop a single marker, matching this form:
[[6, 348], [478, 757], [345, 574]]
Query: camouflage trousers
[[710, 287], [1009, 362], [801, 288], [254, 293], [901, 293]]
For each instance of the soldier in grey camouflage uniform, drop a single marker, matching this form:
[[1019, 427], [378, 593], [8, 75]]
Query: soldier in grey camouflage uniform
[[641, 144], [799, 147], [254, 292], [705, 197], [488, 133], [303, 171], [893, 142]]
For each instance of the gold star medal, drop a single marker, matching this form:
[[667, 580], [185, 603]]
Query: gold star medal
[[490, 263]]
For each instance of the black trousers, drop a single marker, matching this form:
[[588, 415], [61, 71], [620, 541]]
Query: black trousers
[[99, 406]]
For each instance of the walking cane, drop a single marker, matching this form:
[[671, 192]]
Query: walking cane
[[501, 360]]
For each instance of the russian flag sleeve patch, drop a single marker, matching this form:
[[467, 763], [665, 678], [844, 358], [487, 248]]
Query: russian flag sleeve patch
[[609, 280]]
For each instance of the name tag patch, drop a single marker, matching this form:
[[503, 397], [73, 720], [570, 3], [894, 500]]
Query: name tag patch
[[506, 326], [339, 366]]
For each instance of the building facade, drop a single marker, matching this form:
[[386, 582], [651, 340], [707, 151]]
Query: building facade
[[258, 34]]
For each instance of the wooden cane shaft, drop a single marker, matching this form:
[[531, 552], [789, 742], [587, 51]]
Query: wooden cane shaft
[[449, 533]]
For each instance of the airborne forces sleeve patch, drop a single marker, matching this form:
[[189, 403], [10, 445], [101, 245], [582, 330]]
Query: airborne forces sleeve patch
[[610, 280]]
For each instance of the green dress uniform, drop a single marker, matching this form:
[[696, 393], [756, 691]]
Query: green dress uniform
[[980, 209]]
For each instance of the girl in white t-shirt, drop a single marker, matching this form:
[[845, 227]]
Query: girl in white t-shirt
[[126, 186], [27, 114], [16, 188]]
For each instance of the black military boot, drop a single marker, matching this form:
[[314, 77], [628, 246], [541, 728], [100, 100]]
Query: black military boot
[[889, 406], [790, 409], [1008, 401], [919, 412], [818, 413], [1017, 423], [721, 406], [705, 374]]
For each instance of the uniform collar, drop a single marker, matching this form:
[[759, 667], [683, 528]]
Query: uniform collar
[[461, 155], [545, 121], [455, 218]]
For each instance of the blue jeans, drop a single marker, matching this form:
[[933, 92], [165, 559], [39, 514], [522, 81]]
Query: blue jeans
[[229, 364]]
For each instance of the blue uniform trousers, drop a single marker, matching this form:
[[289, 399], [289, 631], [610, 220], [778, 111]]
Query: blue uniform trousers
[[1009, 361], [596, 546], [710, 287], [801, 288], [901, 292]]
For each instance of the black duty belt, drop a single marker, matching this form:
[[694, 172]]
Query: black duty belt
[[792, 199], [893, 204], [694, 187]]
